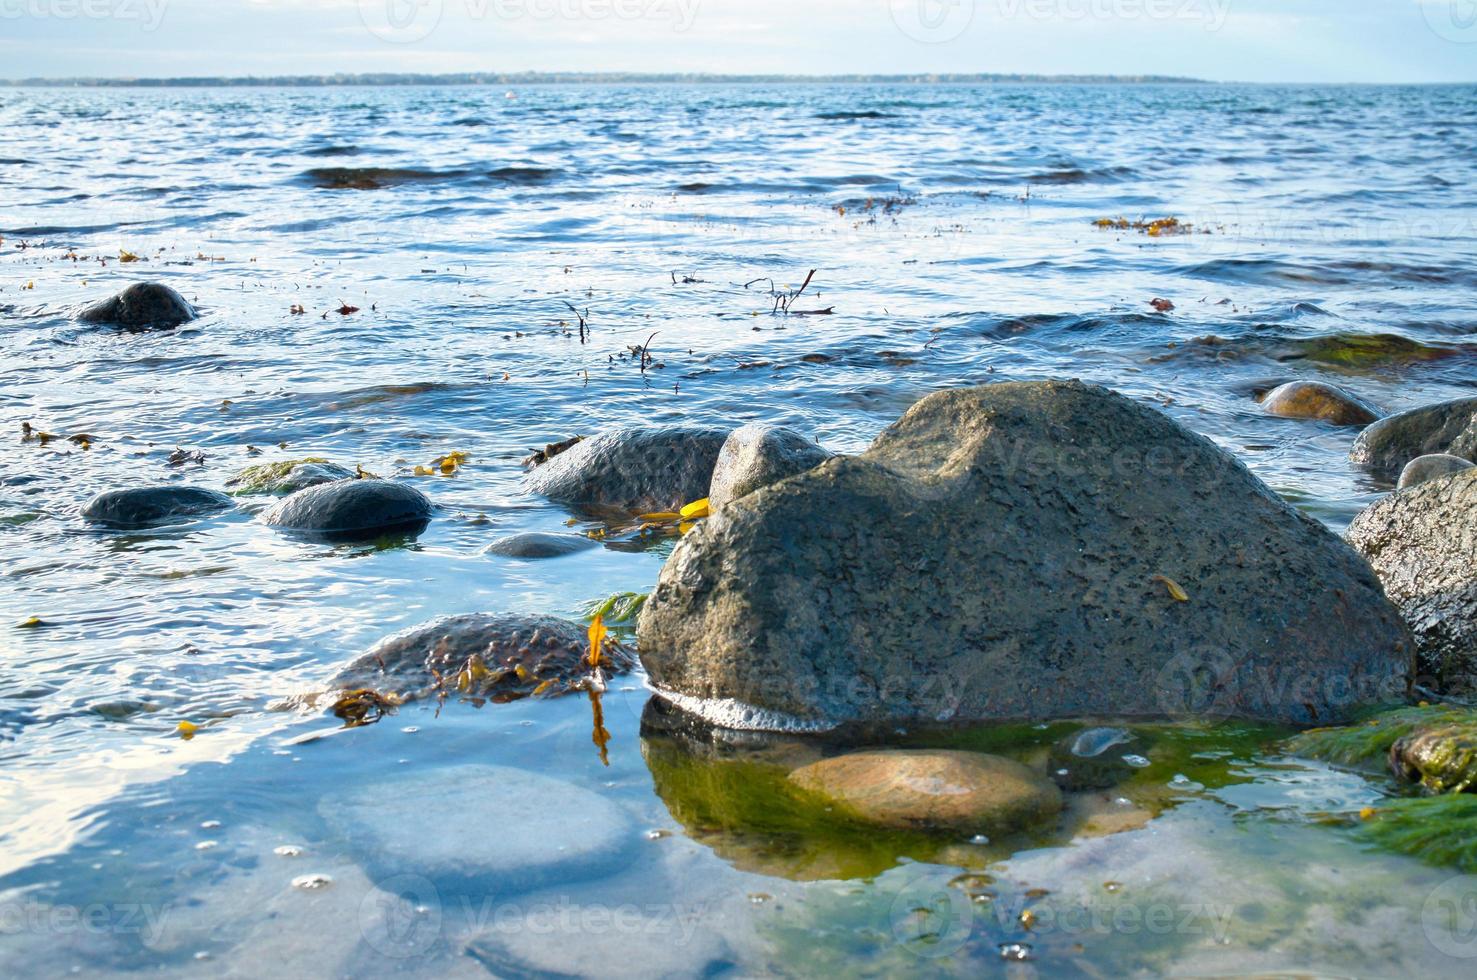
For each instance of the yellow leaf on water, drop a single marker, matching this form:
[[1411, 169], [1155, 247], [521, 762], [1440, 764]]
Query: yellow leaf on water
[[1367, 813], [31, 623], [661, 515], [186, 730], [543, 687], [422, 471], [1175, 590], [597, 633], [30, 285], [124, 255], [696, 509]]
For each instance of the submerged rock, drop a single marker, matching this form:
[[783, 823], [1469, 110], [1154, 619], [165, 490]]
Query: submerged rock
[[539, 544], [479, 830], [1422, 542], [1094, 758], [1023, 551], [141, 306], [757, 455], [352, 509], [1423, 469], [643, 470], [1316, 400], [1387, 445], [933, 789], [147, 506], [498, 656], [288, 476]]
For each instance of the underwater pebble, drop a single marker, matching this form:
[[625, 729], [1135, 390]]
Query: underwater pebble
[[312, 882]]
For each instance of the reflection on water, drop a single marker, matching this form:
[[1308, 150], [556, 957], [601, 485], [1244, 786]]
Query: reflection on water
[[953, 233]]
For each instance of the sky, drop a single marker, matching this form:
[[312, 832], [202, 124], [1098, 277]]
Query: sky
[[1239, 40]]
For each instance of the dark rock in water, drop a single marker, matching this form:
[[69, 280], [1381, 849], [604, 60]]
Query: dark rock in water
[[1450, 427], [478, 830], [501, 657], [1423, 469], [1094, 758], [147, 506], [1022, 551], [142, 306], [932, 789], [641, 470], [352, 509], [757, 455], [1442, 758], [1422, 543], [288, 476], [539, 544], [1315, 400]]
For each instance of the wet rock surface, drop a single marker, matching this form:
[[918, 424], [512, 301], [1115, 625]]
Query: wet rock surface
[[141, 306], [757, 455], [287, 477], [1423, 469], [1422, 542], [934, 789], [635, 470], [1443, 758], [539, 544], [497, 656], [147, 506], [352, 509], [1449, 427], [1015, 551], [480, 829], [1316, 400]]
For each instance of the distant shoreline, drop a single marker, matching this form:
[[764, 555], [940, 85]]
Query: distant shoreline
[[583, 78]]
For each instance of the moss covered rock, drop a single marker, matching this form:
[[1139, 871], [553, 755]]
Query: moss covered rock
[[1318, 401], [287, 476]]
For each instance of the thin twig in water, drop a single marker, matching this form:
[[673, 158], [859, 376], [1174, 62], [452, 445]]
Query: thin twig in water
[[646, 350], [580, 317]]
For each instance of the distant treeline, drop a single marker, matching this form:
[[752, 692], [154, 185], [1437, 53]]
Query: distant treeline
[[567, 78]]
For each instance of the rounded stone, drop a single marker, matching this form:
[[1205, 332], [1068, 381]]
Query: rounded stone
[[539, 544], [352, 509], [962, 791], [634, 470], [288, 476], [1387, 445], [141, 306], [1319, 401], [515, 654], [1423, 469], [147, 506], [480, 829], [758, 455]]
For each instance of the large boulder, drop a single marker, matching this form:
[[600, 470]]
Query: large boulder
[[757, 455], [141, 306], [933, 789], [497, 656], [1318, 401], [634, 470], [148, 506], [1422, 543], [352, 509], [1387, 445], [1021, 551]]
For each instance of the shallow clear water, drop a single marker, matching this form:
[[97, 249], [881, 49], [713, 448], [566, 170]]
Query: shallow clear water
[[952, 230]]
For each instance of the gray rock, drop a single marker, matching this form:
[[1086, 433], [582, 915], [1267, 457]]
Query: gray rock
[[352, 509], [146, 506], [539, 544], [757, 455], [515, 655], [1450, 427], [1007, 552], [1318, 401], [1422, 543], [141, 306], [1423, 469], [642, 470], [479, 830], [288, 476]]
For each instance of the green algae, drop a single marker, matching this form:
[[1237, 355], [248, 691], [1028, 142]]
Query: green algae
[[1439, 830], [266, 477], [1362, 352], [621, 607], [1367, 743]]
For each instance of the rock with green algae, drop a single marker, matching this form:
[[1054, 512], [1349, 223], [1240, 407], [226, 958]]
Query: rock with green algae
[[1441, 759], [287, 476], [1440, 830], [1434, 746]]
